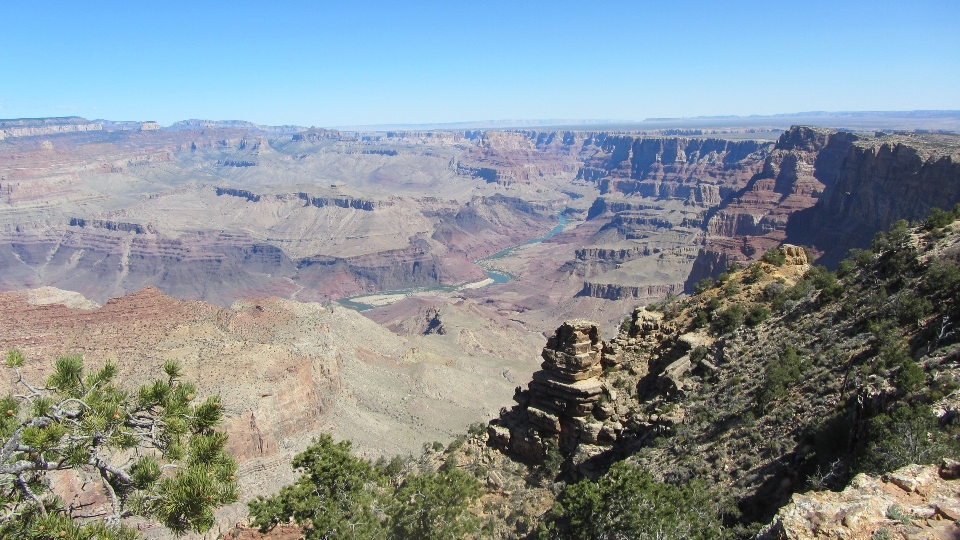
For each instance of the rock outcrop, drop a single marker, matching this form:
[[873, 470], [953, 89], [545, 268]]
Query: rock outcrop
[[915, 501], [564, 405]]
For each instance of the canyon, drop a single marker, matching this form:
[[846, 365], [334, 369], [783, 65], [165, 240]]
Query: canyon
[[245, 252], [222, 211]]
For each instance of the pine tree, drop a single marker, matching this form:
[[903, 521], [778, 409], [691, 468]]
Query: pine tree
[[154, 451]]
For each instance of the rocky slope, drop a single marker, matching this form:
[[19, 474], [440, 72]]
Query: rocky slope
[[711, 389], [767, 390], [286, 371], [913, 502]]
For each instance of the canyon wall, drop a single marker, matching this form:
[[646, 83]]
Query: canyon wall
[[221, 211], [881, 180], [804, 163], [832, 191]]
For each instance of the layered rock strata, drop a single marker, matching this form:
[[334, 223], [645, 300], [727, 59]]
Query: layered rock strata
[[657, 193], [565, 403], [804, 164], [32, 127], [879, 181]]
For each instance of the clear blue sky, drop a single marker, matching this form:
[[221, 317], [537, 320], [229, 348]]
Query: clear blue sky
[[364, 62]]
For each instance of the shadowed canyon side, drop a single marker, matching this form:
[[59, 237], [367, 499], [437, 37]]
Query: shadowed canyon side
[[830, 190], [656, 194], [881, 180]]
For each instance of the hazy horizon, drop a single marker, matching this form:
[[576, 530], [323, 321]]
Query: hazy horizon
[[390, 63]]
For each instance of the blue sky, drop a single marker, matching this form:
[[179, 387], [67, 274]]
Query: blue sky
[[349, 63]]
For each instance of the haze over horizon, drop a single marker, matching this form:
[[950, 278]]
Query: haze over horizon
[[431, 63]]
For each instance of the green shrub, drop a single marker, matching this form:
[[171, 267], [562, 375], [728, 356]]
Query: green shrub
[[346, 487], [846, 268], [800, 290], [729, 319], [731, 288], [910, 309], [701, 320], [703, 285], [477, 429], [773, 290], [941, 279], [754, 273], [826, 282], [154, 449], [910, 377], [434, 506], [863, 257], [456, 443], [774, 257], [779, 376], [628, 503], [910, 434], [938, 219], [357, 500], [757, 314]]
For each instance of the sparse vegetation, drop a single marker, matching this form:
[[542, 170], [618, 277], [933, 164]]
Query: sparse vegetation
[[779, 376], [703, 285], [729, 319]]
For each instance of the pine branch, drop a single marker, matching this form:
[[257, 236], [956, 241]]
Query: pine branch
[[26, 489]]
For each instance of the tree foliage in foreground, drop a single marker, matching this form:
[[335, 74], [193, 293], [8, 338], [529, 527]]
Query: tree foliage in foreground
[[155, 452], [628, 503], [342, 496]]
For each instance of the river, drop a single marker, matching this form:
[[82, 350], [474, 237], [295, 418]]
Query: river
[[367, 301]]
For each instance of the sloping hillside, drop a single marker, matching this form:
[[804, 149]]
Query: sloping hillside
[[705, 415]]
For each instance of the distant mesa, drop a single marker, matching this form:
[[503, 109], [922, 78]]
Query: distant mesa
[[31, 127], [184, 125]]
